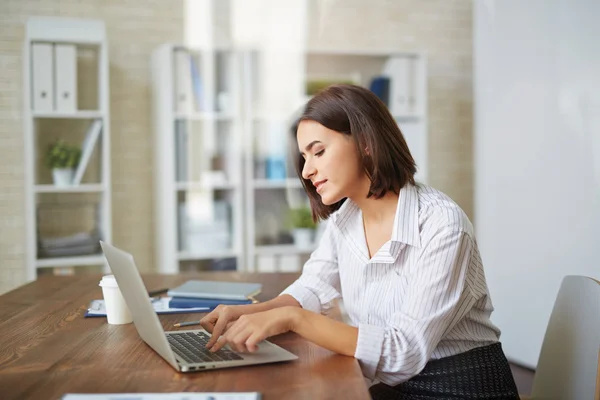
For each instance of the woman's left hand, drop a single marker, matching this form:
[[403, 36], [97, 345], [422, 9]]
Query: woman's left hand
[[250, 329]]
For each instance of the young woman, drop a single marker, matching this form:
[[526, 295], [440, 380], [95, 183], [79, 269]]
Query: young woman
[[401, 255]]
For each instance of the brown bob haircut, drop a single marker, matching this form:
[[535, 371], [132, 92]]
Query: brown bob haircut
[[358, 113]]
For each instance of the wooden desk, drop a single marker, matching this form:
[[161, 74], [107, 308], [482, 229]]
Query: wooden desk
[[47, 349]]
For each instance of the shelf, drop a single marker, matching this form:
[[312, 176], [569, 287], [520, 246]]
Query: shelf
[[275, 249], [291, 183], [411, 117], [181, 186], [287, 118], [188, 256], [204, 116], [84, 114], [357, 52], [60, 107], [93, 259], [85, 188]]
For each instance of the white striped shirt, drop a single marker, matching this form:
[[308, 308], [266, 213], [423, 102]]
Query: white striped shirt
[[422, 296]]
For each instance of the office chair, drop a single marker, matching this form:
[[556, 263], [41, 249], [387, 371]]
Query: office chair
[[569, 362]]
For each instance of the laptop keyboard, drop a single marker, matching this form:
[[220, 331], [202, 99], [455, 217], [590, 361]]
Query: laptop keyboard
[[191, 346]]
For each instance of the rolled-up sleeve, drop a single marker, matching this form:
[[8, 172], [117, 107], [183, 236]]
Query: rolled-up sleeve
[[319, 283], [437, 296]]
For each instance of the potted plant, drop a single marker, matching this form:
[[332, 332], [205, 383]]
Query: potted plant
[[302, 226], [62, 158]]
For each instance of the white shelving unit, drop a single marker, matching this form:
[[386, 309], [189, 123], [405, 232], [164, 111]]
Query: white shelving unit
[[198, 152], [268, 199], [58, 51], [408, 88], [259, 201]]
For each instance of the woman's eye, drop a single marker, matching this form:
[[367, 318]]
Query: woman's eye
[[319, 153]]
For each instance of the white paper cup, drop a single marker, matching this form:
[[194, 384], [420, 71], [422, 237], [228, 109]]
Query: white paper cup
[[117, 312]]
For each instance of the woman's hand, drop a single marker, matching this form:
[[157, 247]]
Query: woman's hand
[[250, 329], [219, 320]]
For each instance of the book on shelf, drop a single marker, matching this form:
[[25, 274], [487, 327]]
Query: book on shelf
[[380, 86], [197, 84], [87, 148], [181, 144], [183, 82]]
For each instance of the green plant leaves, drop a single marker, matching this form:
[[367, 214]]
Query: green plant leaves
[[301, 218], [61, 154]]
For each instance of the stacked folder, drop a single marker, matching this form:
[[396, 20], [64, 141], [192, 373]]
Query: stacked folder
[[197, 293], [190, 302]]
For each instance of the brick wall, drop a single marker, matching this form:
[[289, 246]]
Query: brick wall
[[134, 29], [440, 28]]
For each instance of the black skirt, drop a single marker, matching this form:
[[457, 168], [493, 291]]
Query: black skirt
[[480, 373]]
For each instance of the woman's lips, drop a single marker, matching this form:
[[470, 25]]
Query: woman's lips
[[319, 185]]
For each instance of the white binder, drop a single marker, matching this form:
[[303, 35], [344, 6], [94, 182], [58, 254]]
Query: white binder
[[402, 98], [65, 93], [183, 82], [42, 90]]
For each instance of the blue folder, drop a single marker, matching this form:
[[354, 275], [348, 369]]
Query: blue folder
[[160, 304], [188, 302]]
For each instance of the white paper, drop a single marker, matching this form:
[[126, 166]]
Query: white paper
[[164, 396], [160, 305]]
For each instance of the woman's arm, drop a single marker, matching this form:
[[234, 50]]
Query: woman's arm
[[319, 284], [250, 329], [284, 300], [315, 290], [324, 331]]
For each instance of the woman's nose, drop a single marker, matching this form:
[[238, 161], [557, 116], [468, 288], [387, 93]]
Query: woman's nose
[[308, 170]]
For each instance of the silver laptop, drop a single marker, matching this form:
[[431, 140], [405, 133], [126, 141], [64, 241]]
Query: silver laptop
[[184, 350]]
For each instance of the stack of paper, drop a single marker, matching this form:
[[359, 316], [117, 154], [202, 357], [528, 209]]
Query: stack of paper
[[165, 396], [77, 244], [161, 306]]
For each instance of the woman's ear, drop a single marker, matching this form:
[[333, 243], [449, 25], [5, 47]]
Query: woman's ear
[[367, 152]]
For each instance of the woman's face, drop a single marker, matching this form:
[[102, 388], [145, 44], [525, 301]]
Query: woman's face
[[331, 162]]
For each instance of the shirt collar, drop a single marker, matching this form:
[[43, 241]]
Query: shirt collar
[[343, 214], [406, 221]]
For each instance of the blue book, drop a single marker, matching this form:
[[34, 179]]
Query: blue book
[[197, 83], [218, 290], [380, 85], [187, 302]]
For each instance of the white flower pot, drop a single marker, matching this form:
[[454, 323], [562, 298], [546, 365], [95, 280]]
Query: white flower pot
[[63, 176], [303, 237]]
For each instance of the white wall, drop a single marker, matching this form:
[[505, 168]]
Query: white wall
[[537, 157]]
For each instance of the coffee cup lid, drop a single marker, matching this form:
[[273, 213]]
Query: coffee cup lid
[[108, 281]]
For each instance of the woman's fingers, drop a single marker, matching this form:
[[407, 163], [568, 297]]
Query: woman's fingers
[[253, 341], [217, 332], [220, 326], [238, 340], [218, 344], [208, 322]]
